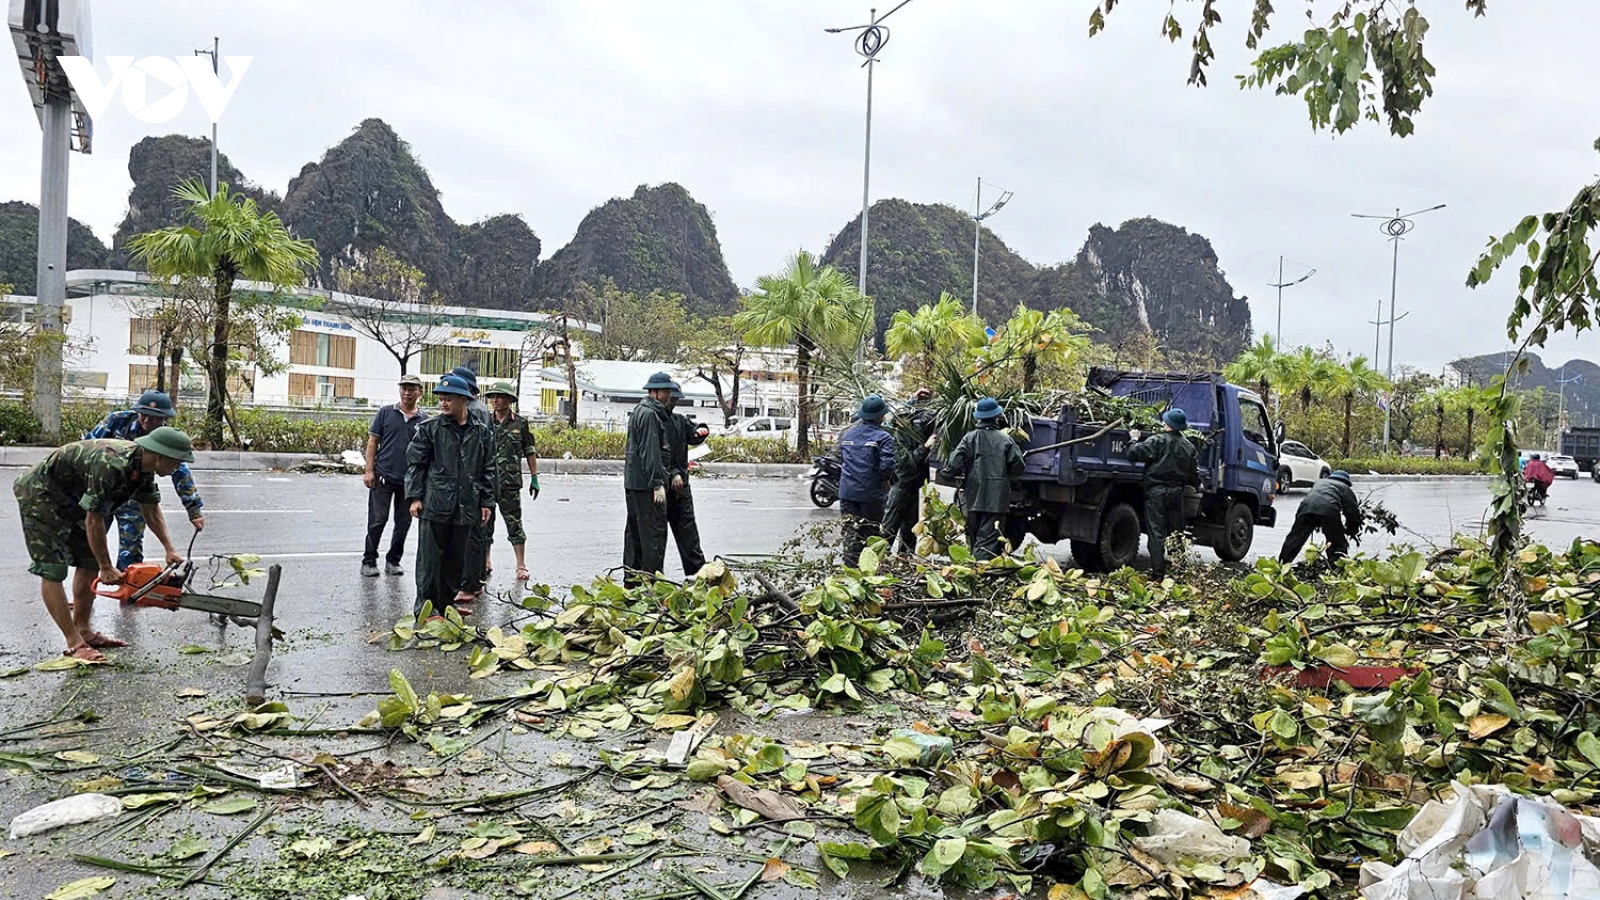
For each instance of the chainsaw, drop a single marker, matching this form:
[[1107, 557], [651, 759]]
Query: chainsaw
[[167, 587]]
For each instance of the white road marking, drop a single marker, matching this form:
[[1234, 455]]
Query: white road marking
[[208, 510]]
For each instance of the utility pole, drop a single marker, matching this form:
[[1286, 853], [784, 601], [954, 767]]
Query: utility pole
[[977, 231], [216, 45], [1396, 227], [1280, 286], [871, 40], [1563, 381]]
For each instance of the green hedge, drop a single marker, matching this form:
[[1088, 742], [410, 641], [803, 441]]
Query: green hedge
[[271, 432], [1410, 465]]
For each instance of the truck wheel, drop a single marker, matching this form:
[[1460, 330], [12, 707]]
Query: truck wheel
[[1119, 537], [1238, 531], [1087, 555]]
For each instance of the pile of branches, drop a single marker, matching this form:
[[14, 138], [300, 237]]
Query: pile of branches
[[1107, 734]]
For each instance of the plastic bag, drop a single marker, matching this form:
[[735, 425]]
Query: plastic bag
[[1175, 835], [72, 810]]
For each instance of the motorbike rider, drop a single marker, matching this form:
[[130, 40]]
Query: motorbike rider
[[1539, 476]]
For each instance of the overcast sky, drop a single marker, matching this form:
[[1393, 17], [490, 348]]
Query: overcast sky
[[549, 108]]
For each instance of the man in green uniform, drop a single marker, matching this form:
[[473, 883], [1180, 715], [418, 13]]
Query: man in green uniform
[[1170, 464], [1328, 500], [989, 460], [644, 481], [683, 433], [476, 570], [513, 443], [450, 486], [913, 428], [67, 502]]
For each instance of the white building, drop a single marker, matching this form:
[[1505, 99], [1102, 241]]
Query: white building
[[112, 343]]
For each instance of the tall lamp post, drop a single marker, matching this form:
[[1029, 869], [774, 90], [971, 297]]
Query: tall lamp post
[[1563, 381], [1395, 227], [869, 42], [977, 231], [216, 45], [1280, 286]]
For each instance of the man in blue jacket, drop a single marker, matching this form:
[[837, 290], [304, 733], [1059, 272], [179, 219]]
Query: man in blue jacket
[[153, 410], [867, 451]]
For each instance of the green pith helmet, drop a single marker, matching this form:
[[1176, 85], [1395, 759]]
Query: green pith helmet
[[169, 442], [503, 388]]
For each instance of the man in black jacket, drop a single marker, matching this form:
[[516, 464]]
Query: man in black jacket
[[683, 433], [644, 481], [987, 460], [1328, 500], [904, 506], [450, 485]]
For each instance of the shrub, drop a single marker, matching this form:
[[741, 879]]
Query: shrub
[[1410, 465], [17, 424]]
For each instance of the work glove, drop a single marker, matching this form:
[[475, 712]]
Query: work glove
[[533, 487], [677, 482], [1135, 435], [660, 495]]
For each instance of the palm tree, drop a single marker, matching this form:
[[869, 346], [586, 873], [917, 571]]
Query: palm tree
[[811, 307], [1034, 341], [1263, 364], [1358, 377], [932, 332], [228, 240], [1307, 374]]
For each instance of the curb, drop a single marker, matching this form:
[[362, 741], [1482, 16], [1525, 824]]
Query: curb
[[1400, 479]]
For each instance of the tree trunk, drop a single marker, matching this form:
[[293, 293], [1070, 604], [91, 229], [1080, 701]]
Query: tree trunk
[[1266, 393], [733, 399], [1349, 402], [217, 362], [1305, 401], [572, 375], [802, 367], [161, 363], [176, 368], [1030, 368], [1438, 430], [1466, 449]]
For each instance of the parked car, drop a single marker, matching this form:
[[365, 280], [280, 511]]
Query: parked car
[[772, 428], [1298, 464], [1565, 466]]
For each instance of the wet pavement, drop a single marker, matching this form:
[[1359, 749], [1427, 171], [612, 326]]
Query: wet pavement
[[334, 619]]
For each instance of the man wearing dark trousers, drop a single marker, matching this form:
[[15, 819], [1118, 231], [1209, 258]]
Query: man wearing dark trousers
[[867, 453], [683, 433], [987, 460], [450, 486], [1171, 463], [391, 432], [904, 505], [1328, 500], [644, 481], [477, 567]]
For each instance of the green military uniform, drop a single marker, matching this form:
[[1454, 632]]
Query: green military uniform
[[448, 468], [990, 460], [1330, 507], [74, 480], [513, 443], [904, 506], [682, 433], [644, 468], [1171, 464]]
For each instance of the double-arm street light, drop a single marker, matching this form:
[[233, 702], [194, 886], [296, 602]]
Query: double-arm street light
[[1280, 285], [977, 231]]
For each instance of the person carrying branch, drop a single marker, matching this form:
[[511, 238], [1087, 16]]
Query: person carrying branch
[[450, 486], [1171, 463], [513, 443], [67, 502], [904, 506], [644, 481], [988, 460], [153, 410]]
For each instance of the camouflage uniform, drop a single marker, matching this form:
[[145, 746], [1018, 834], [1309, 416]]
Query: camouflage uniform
[[79, 478], [513, 443], [130, 521]]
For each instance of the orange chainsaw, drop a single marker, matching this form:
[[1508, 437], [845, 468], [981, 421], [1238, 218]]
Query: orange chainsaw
[[149, 584]]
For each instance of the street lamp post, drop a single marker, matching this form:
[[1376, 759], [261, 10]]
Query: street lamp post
[[868, 43], [1280, 286], [1396, 227], [977, 231], [1563, 381], [216, 45]]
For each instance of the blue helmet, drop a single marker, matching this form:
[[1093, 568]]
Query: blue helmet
[[661, 381], [454, 384], [873, 409], [1176, 419], [155, 403], [987, 408], [1340, 475], [468, 376]]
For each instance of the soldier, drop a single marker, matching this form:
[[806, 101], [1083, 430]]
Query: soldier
[[867, 455], [1321, 511], [476, 571], [904, 506], [153, 410], [1171, 464], [644, 481], [683, 433], [513, 443], [451, 490], [67, 502], [989, 460]]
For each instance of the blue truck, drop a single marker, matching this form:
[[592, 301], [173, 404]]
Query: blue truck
[[1089, 493]]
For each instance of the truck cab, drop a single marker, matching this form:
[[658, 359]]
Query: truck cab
[[1078, 484]]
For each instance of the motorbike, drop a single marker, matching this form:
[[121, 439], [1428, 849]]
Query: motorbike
[[825, 472]]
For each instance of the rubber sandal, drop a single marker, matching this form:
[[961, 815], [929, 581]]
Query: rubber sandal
[[101, 642], [86, 653], [522, 573]]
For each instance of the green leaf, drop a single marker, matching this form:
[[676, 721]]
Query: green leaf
[[193, 649], [1284, 725], [946, 853], [81, 889], [1385, 722], [230, 806], [1338, 655], [188, 848], [1589, 746], [878, 815]]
